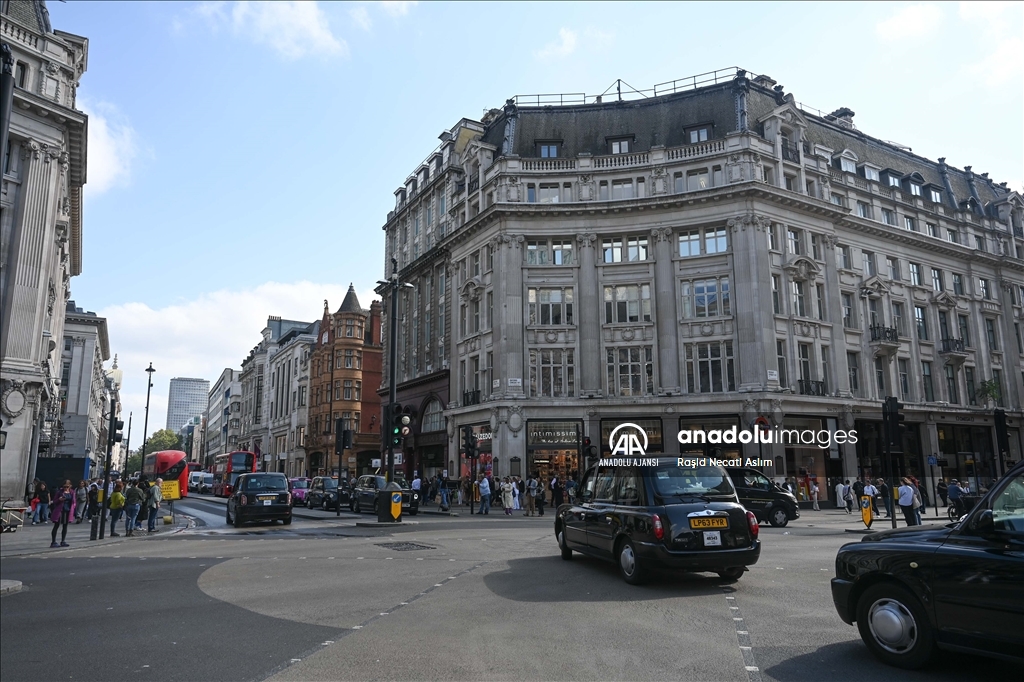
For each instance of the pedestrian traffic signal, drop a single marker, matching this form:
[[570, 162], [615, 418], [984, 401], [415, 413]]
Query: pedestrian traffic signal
[[399, 424], [893, 418], [1002, 435], [469, 442], [116, 436]]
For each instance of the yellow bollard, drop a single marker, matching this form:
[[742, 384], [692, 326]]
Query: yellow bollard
[[865, 510]]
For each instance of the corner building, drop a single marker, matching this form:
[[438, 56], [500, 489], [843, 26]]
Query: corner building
[[697, 258]]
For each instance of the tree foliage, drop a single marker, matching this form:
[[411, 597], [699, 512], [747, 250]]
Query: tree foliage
[[989, 390], [164, 439], [133, 463]]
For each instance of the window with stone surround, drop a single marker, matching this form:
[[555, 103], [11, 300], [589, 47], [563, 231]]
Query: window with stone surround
[[630, 370], [553, 373], [709, 367], [550, 306], [705, 298], [627, 303]]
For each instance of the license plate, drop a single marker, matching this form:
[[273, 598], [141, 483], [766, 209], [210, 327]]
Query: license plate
[[712, 538], [266, 503], [698, 522]]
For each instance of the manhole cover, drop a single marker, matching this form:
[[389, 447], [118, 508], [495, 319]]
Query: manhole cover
[[404, 546]]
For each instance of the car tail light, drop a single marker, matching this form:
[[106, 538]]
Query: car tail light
[[755, 527], [288, 498], [243, 500], [659, 528]]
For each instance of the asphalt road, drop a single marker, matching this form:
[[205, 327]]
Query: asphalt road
[[473, 598]]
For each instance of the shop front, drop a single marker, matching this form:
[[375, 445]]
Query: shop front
[[966, 453], [906, 460], [428, 457], [485, 464], [651, 426], [553, 448], [805, 461]]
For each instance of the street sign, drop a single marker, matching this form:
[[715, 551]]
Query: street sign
[[942, 462], [933, 461], [171, 490]]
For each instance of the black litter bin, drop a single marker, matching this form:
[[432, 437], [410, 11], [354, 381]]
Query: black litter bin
[[389, 503]]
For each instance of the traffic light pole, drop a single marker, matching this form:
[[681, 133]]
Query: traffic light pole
[[393, 361], [111, 428]]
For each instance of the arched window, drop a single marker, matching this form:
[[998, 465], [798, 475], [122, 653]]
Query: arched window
[[433, 419]]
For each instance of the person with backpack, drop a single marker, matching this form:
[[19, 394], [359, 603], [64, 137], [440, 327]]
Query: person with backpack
[[848, 496], [153, 500]]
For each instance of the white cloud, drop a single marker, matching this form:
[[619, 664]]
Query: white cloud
[[200, 337], [563, 47], [1002, 46], [361, 17], [293, 29], [112, 145], [985, 11], [913, 21], [398, 9], [1001, 65]]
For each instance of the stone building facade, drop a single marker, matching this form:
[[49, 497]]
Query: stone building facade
[[699, 259], [254, 435], [289, 400], [224, 416], [345, 371], [44, 169]]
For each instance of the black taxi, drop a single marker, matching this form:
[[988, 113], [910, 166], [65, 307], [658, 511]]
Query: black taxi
[[364, 495], [667, 513], [958, 587], [260, 497]]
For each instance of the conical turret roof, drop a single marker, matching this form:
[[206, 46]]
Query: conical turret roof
[[351, 302]]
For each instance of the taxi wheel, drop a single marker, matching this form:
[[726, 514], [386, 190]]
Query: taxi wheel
[[777, 517], [566, 552], [287, 521], [237, 522], [894, 626], [227, 516], [375, 507], [629, 564], [356, 509]]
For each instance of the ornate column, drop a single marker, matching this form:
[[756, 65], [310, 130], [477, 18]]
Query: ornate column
[[1011, 358], [752, 301], [835, 315], [589, 313], [665, 310], [510, 339]]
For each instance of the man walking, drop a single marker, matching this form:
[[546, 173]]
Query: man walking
[[871, 491], [530, 495], [485, 496], [156, 496], [906, 501], [883, 490]]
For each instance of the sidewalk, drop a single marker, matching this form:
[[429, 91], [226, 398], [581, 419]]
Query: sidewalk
[[31, 539]]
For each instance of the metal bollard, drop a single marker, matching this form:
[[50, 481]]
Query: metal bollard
[[94, 527]]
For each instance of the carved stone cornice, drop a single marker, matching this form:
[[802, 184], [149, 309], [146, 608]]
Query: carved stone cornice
[[802, 268], [586, 239], [751, 220], [661, 234]]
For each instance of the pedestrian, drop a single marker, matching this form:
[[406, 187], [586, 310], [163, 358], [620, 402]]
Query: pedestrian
[[515, 494], [570, 487], [506, 496], [530, 495], [956, 493], [153, 501], [93, 500], [906, 501], [417, 485], [870, 491], [133, 500], [858, 490], [63, 511], [848, 496], [485, 496], [557, 492], [886, 495], [814, 495], [918, 499], [540, 494], [81, 501], [144, 508], [840, 500], [116, 507], [942, 489], [45, 498]]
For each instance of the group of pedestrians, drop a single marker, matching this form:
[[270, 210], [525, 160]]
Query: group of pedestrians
[[135, 500], [908, 497]]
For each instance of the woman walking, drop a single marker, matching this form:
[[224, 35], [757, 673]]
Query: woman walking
[[506, 496], [81, 501], [116, 507], [63, 511], [814, 495]]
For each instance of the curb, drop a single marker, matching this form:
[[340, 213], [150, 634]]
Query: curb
[[10, 586], [384, 524]]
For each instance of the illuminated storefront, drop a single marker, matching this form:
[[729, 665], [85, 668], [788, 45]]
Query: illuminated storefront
[[553, 448]]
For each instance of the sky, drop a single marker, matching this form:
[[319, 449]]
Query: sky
[[243, 156]]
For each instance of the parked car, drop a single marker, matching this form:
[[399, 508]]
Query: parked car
[[299, 487], [680, 517], [324, 493], [364, 495], [194, 479], [763, 496], [260, 497], [958, 587]]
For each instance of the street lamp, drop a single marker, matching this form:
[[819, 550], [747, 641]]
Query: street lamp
[[145, 423], [394, 284]]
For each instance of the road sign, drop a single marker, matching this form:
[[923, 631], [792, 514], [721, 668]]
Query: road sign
[[942, 463], [933, 461], [171, 490]]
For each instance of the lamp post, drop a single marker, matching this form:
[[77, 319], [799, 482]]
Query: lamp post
[[394, 284], [145, 423]]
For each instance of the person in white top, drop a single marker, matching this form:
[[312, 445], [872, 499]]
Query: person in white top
[[814, 495], [872, 492], [906, 502], [840, 503]]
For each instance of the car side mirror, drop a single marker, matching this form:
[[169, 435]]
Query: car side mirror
[[983, 525]]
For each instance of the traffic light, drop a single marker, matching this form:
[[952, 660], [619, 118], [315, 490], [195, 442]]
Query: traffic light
[[347, 436], [894, 418], [116, 436], [589, 450], [1002, 436], [469, 442], [399, 424]]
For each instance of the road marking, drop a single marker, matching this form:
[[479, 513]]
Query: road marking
[[743, 640]]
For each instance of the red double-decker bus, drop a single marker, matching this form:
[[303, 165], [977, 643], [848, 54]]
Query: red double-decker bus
[[170, 465], [227, 468]]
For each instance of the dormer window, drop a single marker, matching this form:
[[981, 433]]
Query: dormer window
[[698, 134], [915, 189], [935, 195], [622, 145], [548, 150], [894, 181], [847, 165], [871, 173]]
